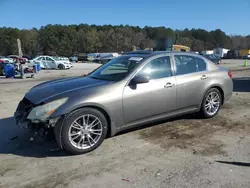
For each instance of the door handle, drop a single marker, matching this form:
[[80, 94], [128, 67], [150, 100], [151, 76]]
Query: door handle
[[204, 77], [168, 85]]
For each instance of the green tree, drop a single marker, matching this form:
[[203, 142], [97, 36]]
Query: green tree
[[29, 41], [93, 40], [8, 40], [67, 40]]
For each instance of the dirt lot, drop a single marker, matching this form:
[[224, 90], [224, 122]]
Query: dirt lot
[[183, 152]]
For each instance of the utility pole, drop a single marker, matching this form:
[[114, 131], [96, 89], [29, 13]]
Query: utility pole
[[20, 53]]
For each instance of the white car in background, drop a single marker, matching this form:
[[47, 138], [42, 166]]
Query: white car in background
[[247, 56], [65, 59], [48, 62]]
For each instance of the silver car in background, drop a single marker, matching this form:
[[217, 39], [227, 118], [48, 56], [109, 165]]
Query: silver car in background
[[134, 89]]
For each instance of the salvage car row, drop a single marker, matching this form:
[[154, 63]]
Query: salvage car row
[[45, 62]]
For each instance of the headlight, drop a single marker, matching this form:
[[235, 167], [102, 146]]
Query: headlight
[[44, 111]]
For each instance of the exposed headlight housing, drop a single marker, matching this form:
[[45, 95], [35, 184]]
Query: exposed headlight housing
[[44, 111]]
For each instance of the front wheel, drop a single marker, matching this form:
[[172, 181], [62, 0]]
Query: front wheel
[[61, 67], [83, 131], [211, 103]]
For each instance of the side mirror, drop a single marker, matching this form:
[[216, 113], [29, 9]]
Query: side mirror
[[140, 79]]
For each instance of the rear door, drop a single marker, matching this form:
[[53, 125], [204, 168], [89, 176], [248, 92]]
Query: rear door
[[192, 79]]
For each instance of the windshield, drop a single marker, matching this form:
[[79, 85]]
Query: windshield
[[117, 69]]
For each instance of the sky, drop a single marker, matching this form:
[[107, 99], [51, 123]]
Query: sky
[[231, 16]]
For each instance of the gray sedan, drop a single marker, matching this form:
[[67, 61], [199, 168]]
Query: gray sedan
[[134, 89]]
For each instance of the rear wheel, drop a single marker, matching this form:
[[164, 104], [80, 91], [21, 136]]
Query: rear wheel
[[83, 131], [61, 67], [211, 103]]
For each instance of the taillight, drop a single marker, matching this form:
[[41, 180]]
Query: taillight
[[230, 74]]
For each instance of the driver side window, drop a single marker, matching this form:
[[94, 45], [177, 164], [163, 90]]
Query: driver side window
[[158, 68]]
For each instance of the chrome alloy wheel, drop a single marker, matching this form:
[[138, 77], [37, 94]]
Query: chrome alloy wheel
[[85, 131], [212, 103]]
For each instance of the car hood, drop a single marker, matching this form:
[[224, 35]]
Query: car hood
[[50, 89]]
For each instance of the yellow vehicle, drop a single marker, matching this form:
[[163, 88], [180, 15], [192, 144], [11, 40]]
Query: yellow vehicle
[[180, 48], [244, 52]]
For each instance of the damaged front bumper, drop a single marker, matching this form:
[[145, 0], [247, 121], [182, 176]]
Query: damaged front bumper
[[22, 112]]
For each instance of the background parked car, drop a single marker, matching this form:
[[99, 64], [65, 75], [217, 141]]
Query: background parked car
[[92, 56], [18, 59], [213, 58], [220, 52], [73, 58], [27, 57], [246, 56], [105, 57], [231, 54], [79, 57], [8, 60], [48, 62]]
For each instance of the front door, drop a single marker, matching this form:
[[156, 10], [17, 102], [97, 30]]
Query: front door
[[191, 80], [156, 97], [50, 63], [42, 61]]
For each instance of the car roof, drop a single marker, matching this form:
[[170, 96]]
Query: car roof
[[150, 53]]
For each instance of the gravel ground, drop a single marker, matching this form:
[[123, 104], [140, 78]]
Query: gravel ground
[[182, 152]]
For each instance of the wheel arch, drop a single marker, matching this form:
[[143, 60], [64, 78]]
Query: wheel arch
[[221, 92], [111, 126], [60, 64], [216, 86]]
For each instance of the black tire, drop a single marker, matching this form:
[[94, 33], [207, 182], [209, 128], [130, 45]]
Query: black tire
[[203, 111], [61, 67], [65, 140]]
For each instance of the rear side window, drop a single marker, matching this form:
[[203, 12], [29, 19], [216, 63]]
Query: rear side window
[[185, 64], [202, 65]]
